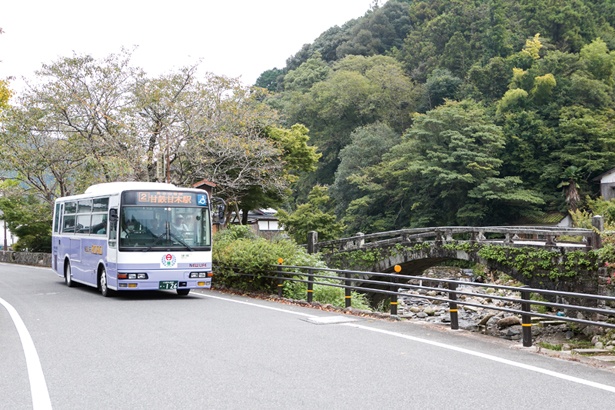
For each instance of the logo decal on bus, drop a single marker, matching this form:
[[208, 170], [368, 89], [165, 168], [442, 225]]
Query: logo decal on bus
[[198, 265], [168, 261], [95, 249]]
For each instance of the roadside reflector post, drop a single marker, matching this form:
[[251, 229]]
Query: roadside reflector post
[[280, 279], [397, 269], [526, 318], [347, 293], [452, 305], [310, 286], [312, 242]]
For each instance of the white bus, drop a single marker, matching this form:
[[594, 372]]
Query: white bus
[[130, 236]]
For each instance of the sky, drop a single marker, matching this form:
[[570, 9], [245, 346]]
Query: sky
[[235, 38]]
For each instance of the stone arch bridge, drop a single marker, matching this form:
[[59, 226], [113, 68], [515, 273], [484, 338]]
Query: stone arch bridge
[[420, 248]]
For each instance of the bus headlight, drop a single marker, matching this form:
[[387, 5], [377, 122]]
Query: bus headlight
[[132, 276], [198, 275]]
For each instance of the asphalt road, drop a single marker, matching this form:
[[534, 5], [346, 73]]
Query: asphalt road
[[210, 350]]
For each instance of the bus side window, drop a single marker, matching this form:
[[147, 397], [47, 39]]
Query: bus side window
[[99, 224], [69, 224], [113, 218]]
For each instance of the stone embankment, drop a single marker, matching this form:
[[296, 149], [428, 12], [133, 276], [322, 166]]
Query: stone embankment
[[26, 258], [493, 322]]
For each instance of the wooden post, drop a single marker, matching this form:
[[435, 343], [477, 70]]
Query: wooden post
[[598, 223], [312, 242]]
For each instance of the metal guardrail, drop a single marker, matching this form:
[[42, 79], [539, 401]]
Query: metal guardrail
[[394, 284]]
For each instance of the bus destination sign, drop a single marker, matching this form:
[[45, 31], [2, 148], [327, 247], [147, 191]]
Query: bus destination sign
[[165, 198]]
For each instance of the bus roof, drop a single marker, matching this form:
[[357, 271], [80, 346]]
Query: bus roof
[[114, 188], [117, 187]]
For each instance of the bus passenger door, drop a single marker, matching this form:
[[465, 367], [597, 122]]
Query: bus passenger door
[[112, 243], [75, 258], [55, 237]]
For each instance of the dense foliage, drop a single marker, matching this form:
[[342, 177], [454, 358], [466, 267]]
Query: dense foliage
[[238, 249], [446, 112]]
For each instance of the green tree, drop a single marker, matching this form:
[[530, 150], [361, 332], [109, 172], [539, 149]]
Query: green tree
[[586, 141], [302, 78], [239, 147], [366, 148], [271, 79], [5, 95], [312, 216], [359, 91], [598, 62], [70, 128], [295, 157], [441, 85], [447, 172], [571, 189], [26, 216]]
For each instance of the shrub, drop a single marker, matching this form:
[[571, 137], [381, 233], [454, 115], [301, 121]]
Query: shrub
[[238, 250], [332, 295]]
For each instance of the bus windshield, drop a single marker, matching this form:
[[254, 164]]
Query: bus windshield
[[145, 228]]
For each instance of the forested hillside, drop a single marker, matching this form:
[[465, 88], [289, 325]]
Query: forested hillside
[[448, 112]]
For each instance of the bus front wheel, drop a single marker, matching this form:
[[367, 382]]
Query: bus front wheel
[[183, 292], [68, 276], [102, 283]]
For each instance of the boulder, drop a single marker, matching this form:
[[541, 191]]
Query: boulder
[[508, 322]]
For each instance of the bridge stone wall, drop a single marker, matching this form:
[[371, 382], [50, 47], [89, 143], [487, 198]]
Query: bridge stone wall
[[414, 262]]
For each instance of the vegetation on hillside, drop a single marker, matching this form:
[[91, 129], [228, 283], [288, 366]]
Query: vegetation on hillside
[[420, 112], [498, 110]]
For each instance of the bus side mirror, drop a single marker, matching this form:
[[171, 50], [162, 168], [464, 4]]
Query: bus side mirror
[[221, 214], [218, 216], [113, 215]]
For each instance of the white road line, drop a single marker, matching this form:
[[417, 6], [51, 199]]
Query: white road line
[[441, 345], [38, 385], [256, 305], [488, 357]]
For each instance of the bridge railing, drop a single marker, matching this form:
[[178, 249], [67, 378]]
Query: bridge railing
[[397, 285], [504, 235]]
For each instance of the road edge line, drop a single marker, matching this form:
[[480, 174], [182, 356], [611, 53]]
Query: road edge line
[[38, 385]]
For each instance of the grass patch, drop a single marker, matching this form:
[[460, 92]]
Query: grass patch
[[550, 346]]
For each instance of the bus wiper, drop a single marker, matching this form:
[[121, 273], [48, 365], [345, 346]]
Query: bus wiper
[[181, 241], [158, 241]]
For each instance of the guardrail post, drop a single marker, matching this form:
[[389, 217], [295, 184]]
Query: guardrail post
[[310, 286], [280, 279], [526, 318], [393, 288], [396, 269], [452, 305], [347, 291], [393, 302]]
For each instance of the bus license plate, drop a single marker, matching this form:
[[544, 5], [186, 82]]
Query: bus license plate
[[167, 284]]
